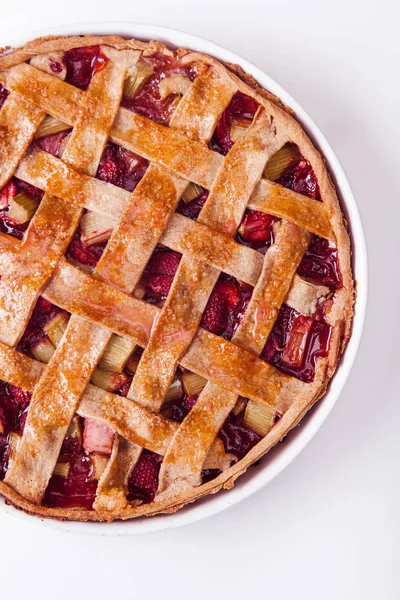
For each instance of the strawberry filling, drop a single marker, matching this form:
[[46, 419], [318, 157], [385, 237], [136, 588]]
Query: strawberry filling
[[79, 487], [296, 342], [53, 144], [226, 306], [43, 312], [256, 230], [3, 94], [121, 167], [301, 179], [10, 190], [320, 264], [242, 108], [82, 64], [159, 274], [237, 438], [192, 209], [147, 100], [143, 480], [13, 409]]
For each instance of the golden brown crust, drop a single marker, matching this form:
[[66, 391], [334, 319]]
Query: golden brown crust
[[341, 308]]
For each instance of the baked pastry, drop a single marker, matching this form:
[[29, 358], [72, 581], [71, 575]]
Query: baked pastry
[[175, 288]]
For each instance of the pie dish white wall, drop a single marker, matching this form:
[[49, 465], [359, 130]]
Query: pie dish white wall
[[274, 462]]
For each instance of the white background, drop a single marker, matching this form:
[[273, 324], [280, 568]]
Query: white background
[[328, 527]]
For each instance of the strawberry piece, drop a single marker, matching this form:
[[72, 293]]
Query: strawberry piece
[[53, 144], [164, 262], [256, 229], [158, 285], [21, 396], [97, 437], [192, 209], [294, 350], [301, 178], [215, 317], [226, 306], [86, 255], [30, 190], [9, 191], [143, 481], [241, 107], [121, 167]]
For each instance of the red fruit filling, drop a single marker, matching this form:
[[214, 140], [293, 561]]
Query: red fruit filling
[[12, 188], [226, 306], [97, 437], [296, 342], [13, 408], [53, 144], [256, 230], [159, 273], [241, 108], [121, 167], [320, 264], [143, 480], [192, 209], [302, 179], [43, 312], [147, 100], [82, 64], [83, 254], [237, 438], [3, 94], [79, 488]]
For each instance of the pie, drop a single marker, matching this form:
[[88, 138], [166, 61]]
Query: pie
[[176, 288]]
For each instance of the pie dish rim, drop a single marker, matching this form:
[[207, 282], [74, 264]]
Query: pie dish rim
[[250, 483]]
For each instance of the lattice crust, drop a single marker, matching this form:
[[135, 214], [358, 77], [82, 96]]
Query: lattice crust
[[101, 302]]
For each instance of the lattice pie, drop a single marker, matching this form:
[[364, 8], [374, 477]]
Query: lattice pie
[[175, 286]]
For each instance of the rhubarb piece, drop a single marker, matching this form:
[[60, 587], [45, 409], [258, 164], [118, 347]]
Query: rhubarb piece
[[51, 125], [62, 469], [175, 390], [56, 326], [75, 429], [95, 228], [116, 354], [99, 462], [134, 81], [43, 351], [108, 381], [258, 417], [97, 437], [239, 406], [193, 384], [22, 208], [176, 84], [294, 350], [192, 191], [238, 128], [281, 161]]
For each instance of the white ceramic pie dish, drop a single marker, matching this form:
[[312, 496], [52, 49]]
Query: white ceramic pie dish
[[276, 460]]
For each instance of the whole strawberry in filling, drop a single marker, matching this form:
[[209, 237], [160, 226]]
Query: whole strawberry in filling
[[148, 99], [159, 274], [296, 342], [226, 306], [14, 403], [143, 480], [237, 116], [82, 64]]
